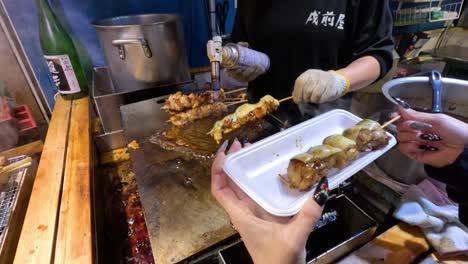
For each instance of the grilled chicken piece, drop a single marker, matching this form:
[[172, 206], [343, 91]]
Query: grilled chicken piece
[[180, 102], [368, 135], [332, 157], [347, 145], [303, 172], [198, 113], [306, 169], [244, 114]]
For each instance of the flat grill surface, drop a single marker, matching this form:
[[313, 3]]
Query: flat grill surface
[[173, 180]]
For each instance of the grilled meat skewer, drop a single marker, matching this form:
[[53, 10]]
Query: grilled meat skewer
[[347, 145], [198, 113], [179, 102], [306, 169], [243, 114], [368, 135]]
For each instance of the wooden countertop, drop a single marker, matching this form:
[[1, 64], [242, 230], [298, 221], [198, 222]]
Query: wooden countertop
[[58, 225]]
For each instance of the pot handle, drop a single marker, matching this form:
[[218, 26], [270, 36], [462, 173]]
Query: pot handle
[[120, 43], [436, 81]]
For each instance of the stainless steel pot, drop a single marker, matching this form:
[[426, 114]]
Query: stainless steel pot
[[418, 92], [144, 51]]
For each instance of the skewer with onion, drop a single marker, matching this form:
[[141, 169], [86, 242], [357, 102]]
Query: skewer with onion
[[305, 169]]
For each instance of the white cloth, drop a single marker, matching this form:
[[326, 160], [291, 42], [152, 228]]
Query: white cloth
[[426, 206]]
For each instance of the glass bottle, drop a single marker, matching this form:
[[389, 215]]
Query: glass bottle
[[60, 54]]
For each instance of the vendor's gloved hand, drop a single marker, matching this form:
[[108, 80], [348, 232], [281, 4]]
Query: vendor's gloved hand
[[245, 74], [317, 86]]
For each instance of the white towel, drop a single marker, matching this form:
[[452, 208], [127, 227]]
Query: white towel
[[428, 207]]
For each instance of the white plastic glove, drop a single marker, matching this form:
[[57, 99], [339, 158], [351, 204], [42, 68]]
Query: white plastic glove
[[245, 74], [317, 86]]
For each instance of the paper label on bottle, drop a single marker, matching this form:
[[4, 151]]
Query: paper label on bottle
[[63, 74]]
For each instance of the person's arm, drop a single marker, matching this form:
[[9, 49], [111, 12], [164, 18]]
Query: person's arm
[[362, 72], [268, 238], [445, 155], [372, 58], [372, 38], [455, 176]]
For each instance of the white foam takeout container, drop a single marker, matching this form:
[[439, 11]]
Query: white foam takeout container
[[256, 168]]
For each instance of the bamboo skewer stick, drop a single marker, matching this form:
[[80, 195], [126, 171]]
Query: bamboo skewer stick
[[391, 121], [237, 90], [232, 99], [239, 102], [285, 99]]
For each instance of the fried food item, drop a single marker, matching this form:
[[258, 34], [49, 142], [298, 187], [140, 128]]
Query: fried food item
[[243, 114], [198, 113], [368, 135], [347, 145], [180, 102]]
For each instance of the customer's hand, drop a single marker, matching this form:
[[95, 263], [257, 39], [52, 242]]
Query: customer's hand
[[317, 86], [439, 145], [245, 74], [269, 239]]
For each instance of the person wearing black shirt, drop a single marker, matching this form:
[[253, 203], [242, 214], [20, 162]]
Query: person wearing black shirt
[[445, 155], [319, 50]]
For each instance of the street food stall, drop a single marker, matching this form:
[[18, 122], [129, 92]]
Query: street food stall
[[121, 171]]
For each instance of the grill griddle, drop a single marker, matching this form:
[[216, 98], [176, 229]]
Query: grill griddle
[[182, 216]]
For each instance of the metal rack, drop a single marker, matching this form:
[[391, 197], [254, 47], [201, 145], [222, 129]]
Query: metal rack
[[412, 12], [9, 195]]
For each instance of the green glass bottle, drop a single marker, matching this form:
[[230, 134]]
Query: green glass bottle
[[60, 54]]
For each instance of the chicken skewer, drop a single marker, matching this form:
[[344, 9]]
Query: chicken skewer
[[368, 135], [306, 169], [201, 112], [204, 111], [179, 102], [243, 114], [347, 145]]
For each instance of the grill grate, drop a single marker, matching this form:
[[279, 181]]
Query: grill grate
[[9, 194]]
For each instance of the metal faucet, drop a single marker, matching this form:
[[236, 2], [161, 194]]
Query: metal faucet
[[214, 50]]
